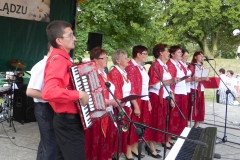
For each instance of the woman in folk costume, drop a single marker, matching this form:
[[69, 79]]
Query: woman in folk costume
[[188, 80], [100, 136], [176, 69], [157, 95], [198, 111], [122, 84], [141, 111]]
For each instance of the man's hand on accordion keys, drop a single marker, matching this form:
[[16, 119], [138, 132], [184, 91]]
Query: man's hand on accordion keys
[[83, 96]]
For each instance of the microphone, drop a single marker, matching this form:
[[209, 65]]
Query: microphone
[[109, 111], [194, 141], [189, 63], [108, 85], [207, 59], [148, 62], [200, 143]]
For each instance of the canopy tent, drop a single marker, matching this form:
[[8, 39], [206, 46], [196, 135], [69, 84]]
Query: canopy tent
[[26, 40]]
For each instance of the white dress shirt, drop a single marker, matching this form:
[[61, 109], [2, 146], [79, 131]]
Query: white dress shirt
[[180, 87], [126, 88], [37, 77]]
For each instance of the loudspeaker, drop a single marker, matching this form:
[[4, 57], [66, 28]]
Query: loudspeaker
[[94, 40], [23, 107]]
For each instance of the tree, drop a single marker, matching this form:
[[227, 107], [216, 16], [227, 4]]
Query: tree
[[209, 23], [124, 23]]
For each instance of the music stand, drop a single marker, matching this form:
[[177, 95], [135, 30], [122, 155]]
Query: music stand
[[224, 139], [213, 83]]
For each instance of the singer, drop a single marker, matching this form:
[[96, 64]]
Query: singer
[[99, 138], [198, 111], [177, 70], [118, 76], [139, 79], [157, 95], [188, 80]]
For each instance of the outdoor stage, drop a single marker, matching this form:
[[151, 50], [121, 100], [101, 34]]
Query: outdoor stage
[[24, 146]]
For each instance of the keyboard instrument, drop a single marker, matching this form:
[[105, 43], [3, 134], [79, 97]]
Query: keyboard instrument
[[188, 150]]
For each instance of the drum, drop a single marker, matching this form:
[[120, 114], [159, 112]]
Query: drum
[[2, 81], [10, 75], [4, 90]]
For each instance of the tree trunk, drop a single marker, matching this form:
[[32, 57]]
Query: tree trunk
[[206, 50], [214, 44]]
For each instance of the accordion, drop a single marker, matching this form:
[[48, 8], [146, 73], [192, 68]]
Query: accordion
[[85, 78]]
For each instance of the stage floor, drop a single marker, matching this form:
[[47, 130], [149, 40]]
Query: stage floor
[[24, 146]]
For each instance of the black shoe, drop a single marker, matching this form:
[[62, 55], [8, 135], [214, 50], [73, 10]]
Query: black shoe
[[167, 146], [158, 150], [172, 144], [151, 154], [174, 138], [128, 158], [147, 149], [142, 155], [155, 156]]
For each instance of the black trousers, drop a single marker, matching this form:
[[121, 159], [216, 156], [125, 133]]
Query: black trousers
[[217, 96], [70, 138], [47, 146]]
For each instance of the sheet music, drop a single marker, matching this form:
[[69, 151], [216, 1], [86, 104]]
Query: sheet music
[[202, 73], [183, 78], [177, 146], [131, 97]]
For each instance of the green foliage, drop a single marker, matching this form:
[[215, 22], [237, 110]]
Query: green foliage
[[198, 24], [206, 23], [122, 23]]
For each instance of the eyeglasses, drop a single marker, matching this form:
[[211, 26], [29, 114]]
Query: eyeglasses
[[103, 58], [145, 53], [70, 36]]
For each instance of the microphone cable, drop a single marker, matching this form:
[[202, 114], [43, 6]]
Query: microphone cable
[[15, 143]]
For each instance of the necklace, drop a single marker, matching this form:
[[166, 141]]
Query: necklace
[[140, 67], [166, 69], [179, 66], [105, 78], [126, 80]]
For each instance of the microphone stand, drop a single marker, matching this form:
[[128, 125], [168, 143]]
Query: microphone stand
[[119, 117], [141, 125], [11, 107], [224, 139], [168, 98], [193, 96]]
